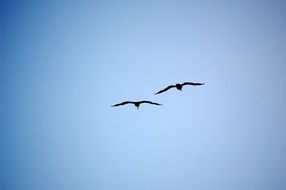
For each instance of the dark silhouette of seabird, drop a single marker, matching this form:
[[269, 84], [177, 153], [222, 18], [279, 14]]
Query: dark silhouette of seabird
[[137, 104], [179, 86]]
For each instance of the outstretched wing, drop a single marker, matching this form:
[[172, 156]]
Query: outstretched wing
[[149, 102], [123, 103], [192, 83], [165, 89]]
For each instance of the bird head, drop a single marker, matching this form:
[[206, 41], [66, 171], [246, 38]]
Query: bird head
[[179, 86], [137, 104]]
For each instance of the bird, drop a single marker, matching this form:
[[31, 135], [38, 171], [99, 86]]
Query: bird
[[179, 86], [136, 103]]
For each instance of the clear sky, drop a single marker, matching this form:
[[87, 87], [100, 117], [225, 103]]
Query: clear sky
[[64, 63]]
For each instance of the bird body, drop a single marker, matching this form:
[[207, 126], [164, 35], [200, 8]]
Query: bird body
[[179, 86], [136, 103]]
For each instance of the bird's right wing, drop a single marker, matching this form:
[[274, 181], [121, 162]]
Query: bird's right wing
[[122, 103], [165, 89], [192, 83], [149, 102]]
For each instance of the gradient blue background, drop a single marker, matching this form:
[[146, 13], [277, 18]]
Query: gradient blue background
[[64, 63]]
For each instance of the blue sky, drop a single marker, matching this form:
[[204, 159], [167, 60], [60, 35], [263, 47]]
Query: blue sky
[[64, 63]]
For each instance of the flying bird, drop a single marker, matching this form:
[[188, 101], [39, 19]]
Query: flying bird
[[137, 104], [179, 86]]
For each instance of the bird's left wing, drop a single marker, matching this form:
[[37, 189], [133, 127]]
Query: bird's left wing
[[122, 103], [165, 89]]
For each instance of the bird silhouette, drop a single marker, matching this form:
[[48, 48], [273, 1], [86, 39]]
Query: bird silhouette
[[137, 103], [179, 86]]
